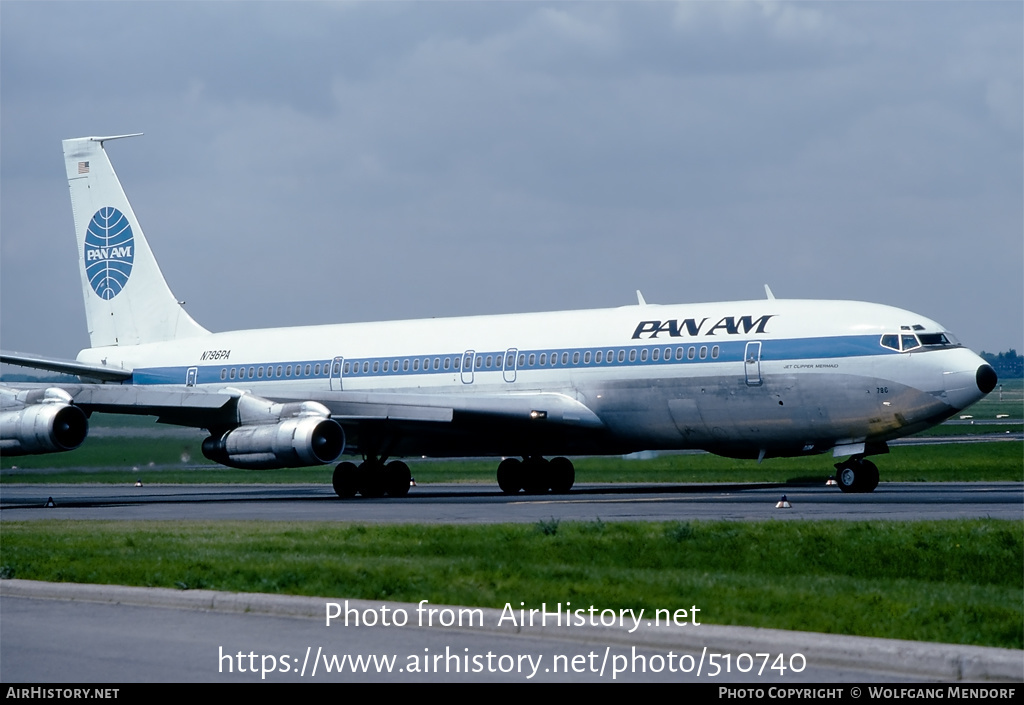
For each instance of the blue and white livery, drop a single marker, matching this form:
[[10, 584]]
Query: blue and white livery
[[748, 379]]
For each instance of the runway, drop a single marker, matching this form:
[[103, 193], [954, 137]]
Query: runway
[[473, 503]]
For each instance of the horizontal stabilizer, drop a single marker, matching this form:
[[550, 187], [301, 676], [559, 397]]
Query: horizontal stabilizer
[[69, 367]]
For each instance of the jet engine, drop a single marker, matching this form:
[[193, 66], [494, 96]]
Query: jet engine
[[40, 421], [292, 435]]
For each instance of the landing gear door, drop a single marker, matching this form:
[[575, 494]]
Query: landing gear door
[[468, 359], [508, 368], [337, 367], [752, 363]]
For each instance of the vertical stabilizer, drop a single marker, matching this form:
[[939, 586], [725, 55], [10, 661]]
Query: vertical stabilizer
[[127, 301]]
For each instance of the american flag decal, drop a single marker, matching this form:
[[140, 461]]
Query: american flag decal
[[83, 167]]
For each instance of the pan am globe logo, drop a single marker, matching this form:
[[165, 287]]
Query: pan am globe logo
[[109, 252]]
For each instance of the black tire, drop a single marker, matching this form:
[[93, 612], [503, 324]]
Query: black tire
[[510, 475], [398, 478], [846, 476], [562, 474], [372, 479], [857, 475], [346, 480], [535, 476], [869, 476]]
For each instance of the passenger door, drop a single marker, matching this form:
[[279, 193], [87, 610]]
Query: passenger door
[[752, 363], [337, 371]]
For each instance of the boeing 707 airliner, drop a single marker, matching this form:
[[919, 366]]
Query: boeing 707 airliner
[[744, 379]]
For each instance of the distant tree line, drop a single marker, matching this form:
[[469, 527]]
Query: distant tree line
[[1006, 364]]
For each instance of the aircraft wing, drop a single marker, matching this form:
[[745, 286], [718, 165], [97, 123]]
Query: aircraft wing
[[525, 406], [417, 423], [451, 425], [190, 406]]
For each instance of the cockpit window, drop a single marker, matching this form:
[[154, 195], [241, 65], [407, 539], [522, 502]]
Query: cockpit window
[[905, 342], [890, 341], [934, 340], [909, 342]]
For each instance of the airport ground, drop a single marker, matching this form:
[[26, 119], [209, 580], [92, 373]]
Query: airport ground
[[471, 503], [679, 504]]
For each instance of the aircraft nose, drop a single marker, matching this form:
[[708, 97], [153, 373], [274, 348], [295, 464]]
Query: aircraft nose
[[986, 378], [967, 378]]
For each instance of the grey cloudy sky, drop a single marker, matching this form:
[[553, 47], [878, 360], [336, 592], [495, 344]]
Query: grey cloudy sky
[[331, 162]]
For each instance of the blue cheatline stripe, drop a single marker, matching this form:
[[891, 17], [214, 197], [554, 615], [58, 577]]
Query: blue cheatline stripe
[[703, 352]]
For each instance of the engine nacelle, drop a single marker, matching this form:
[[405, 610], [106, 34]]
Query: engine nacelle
[[45, 422], [310, 437]]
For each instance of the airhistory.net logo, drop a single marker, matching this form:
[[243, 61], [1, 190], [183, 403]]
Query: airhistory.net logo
[[109, 252]]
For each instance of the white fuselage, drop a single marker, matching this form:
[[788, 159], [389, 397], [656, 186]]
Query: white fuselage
[[746, 378]]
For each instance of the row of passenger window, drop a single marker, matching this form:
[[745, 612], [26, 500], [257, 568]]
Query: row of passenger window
[[279, 372], [482, 361], [507, 361]]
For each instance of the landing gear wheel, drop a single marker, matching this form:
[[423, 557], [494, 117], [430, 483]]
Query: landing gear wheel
[[346, 480], [372, 481], [846, 476], [510, 475], [535, 476], [857, 475], [397, 478], [870, 476], [562, 474]]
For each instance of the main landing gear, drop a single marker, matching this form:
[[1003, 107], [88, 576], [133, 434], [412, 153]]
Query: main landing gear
[[535, 475], [857, 475], [376, 478], [372, 478]]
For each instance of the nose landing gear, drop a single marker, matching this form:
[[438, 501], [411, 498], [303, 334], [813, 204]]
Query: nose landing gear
[[857, 474]]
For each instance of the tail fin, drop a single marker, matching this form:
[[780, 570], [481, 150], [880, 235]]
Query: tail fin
[[127, 301]]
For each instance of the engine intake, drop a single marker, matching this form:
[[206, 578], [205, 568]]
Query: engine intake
[[308, 437], [46, 423]]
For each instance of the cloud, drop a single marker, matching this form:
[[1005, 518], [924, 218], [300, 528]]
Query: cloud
[[321, 162]]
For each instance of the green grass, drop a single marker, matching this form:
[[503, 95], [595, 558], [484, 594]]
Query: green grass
[[972, 429], [1007, 398], [128, 459], [947, 581], [121, 453]]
